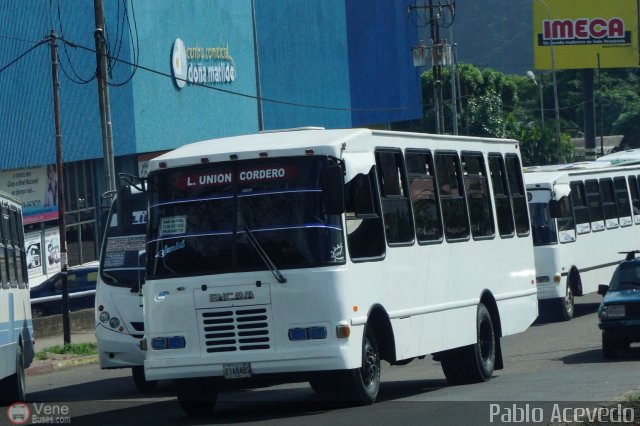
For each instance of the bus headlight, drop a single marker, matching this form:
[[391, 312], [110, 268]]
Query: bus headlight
[[104, 316], [114, 322]]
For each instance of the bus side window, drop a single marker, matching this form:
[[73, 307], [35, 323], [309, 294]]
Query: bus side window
[[365, 232], [4, 277], [609, 203], [580, 207], [396, 209], [16, 224], [454, 208], [426, 206], [592, 189], [518, 195], [566, 222], [477, 192], [10, 250], [501, 195], [622, 199], [635, 198]]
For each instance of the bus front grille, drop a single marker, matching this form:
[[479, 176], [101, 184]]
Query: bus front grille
[[236, 329]]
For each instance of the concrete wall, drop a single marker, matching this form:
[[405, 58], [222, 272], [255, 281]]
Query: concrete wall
[[83, 320]]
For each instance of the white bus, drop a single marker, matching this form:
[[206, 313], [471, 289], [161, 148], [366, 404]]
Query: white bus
[[16, 328], [312, 255], [118, 313], [594, 214]]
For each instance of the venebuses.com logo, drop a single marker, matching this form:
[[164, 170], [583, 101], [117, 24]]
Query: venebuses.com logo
[[20, 413]]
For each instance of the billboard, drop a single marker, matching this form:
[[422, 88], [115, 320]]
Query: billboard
[[36, 188], [578, 33]]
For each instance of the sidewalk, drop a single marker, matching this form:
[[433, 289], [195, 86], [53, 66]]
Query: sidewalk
[[59, 362]]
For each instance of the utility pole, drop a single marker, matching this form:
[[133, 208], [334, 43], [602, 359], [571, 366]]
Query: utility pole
[[437, 81], [66, 322], [103, 97]]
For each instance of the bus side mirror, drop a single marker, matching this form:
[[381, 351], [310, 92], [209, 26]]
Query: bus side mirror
[[334, 190], [124, 209], [555, 209], [602, 289]]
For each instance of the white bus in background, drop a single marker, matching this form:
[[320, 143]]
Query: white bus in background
[[118, 312], [593, 215], [16, 328], [312, 255]]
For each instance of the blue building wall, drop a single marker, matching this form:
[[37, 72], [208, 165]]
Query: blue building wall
[[330, 56], [167, 117], [385, 86], [304, 60]]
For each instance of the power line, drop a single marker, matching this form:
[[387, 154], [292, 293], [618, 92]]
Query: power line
[[231, 92], [25, 53]]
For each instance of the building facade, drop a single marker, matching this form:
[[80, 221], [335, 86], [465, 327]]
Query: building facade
[[181, 72]]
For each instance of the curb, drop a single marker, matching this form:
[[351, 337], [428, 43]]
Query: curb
[[49, 367]]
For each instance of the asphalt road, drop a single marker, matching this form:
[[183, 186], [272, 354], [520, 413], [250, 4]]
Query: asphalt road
[[548, 368]]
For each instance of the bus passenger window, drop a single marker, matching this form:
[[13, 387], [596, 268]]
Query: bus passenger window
[[609, 203], [422, 185], [622, 200], [365, 235], [635, 198], [592, 189], [580, 207], [454, 208], [518, 195], [501, 195], [396, 209], [477, 192]]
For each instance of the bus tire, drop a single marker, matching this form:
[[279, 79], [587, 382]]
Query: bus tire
[[13, 388], [362, 384], [567, 303], [197, 397], [474, 363], [140, 381], [453, 363], [324, 385], [609, 347]]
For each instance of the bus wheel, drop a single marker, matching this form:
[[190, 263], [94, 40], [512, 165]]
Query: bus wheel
[[13, 388], [197, 397], [609, 347], [567, 303], [483, 359], [473, 363], [139, 379], [362, 384], [325, 385]]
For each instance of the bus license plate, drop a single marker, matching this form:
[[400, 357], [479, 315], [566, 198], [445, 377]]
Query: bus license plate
[[237, 371]]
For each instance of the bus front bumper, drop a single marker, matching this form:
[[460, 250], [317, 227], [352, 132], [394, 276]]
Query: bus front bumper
[[118, 350], [273, 363]]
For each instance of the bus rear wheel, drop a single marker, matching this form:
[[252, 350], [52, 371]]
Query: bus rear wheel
[[141, 382], [197, 397], [567, 303], [473, 363], [362, 384], [13, 388]]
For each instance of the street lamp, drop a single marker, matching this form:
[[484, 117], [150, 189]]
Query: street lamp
[[555, 82], [532, 76]]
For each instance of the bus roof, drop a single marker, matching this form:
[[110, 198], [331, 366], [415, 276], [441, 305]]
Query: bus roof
[[10, 198], [291, 142], [561, 173]]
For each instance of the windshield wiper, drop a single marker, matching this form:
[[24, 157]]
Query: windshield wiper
[[263, 254]]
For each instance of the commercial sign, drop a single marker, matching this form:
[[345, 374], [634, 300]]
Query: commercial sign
[[37, 188], [578, 34], [202, 65]]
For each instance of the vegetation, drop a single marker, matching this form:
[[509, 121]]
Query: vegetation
[[81, 349], [494, 104]]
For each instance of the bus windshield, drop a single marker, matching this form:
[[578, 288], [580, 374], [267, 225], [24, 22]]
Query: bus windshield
[[200, 215], [543, 226], [122, 259]]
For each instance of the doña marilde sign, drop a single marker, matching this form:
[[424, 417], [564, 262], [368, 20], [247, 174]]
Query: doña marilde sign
[[202, 65]]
